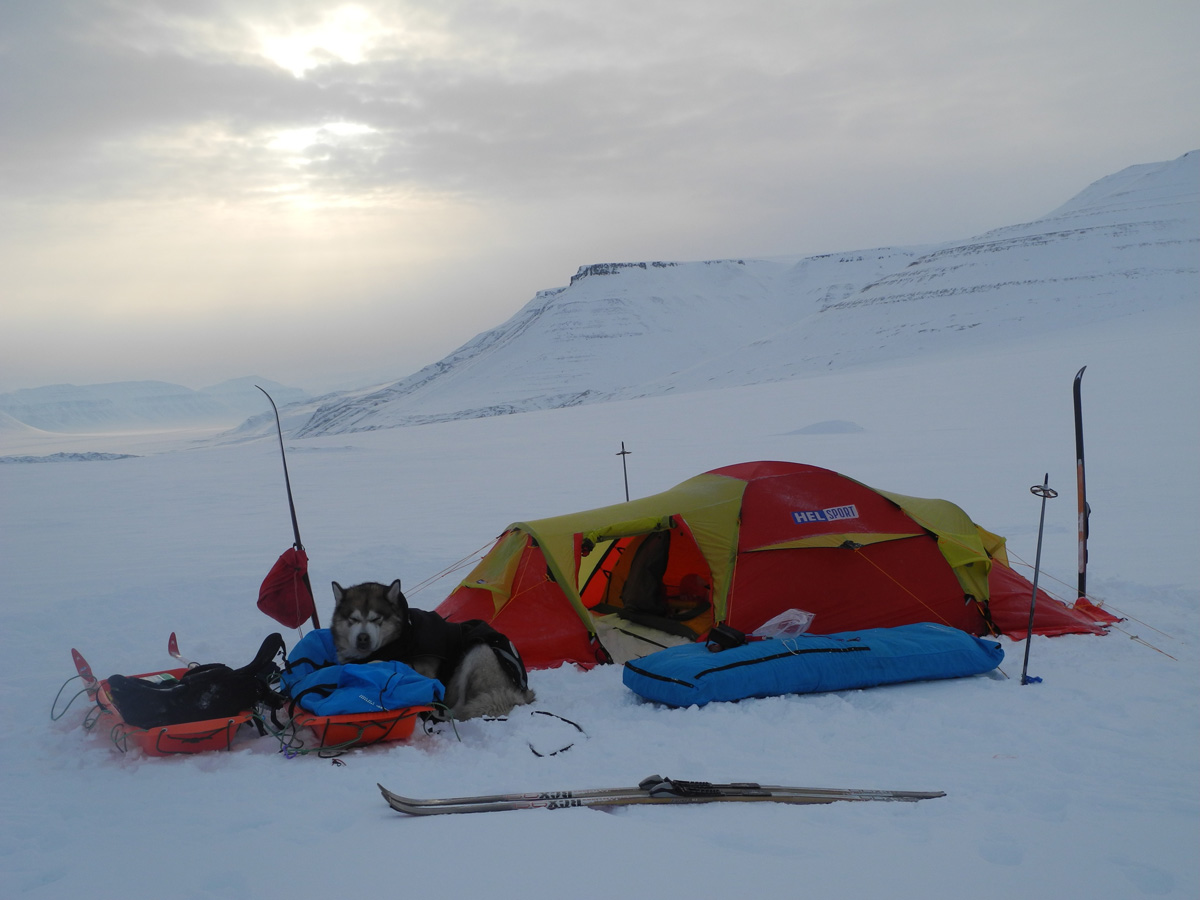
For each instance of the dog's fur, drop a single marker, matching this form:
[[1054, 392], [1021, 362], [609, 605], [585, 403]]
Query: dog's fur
[[372, 621]]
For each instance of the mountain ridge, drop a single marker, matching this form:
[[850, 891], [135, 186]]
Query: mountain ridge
[[1126, 243]]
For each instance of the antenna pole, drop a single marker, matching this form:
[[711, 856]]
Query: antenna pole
[[624, 453]]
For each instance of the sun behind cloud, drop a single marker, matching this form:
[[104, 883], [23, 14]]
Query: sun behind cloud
[[345, 34]]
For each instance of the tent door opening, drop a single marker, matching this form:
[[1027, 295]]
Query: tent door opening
[[659, 579]]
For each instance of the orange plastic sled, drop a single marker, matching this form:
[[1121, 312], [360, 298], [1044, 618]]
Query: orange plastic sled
[[360, 729], [163, 740]]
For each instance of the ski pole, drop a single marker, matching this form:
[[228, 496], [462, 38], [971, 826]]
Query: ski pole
[[291, 506], [1046, 492], [287, 481]]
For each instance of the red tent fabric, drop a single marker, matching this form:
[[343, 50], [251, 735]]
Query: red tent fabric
[[1009, 605], [536, 606]]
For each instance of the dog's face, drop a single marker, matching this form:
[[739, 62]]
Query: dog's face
[[366, 617]]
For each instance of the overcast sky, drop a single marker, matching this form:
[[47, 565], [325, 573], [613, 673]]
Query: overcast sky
[[313, 191]]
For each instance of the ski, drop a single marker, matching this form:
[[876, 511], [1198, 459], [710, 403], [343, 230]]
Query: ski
[[1085, 511], [654, 790]]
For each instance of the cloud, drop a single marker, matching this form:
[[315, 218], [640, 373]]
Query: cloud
[[193, 158], [508, 100]]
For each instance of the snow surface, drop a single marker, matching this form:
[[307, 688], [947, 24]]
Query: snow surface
[[1086, 785]]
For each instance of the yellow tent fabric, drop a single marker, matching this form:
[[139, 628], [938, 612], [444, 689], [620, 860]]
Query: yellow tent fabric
[[834, 540], [495, 571], [963, 543], [710, 504]]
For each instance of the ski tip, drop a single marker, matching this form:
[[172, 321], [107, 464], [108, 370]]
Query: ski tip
[[1079, 374]]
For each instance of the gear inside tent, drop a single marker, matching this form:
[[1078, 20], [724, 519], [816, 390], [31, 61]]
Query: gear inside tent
[[737, 546]]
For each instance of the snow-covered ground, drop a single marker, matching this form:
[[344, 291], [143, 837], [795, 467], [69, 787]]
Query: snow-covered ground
[[1085, 785]]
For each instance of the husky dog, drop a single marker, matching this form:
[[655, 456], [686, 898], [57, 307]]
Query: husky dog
[[480, 668]]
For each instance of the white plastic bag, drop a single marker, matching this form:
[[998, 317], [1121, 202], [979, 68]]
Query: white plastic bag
[[789, 623]]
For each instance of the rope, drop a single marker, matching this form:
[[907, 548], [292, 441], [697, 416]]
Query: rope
[[453, 567], [1104, 604], [1044, 574], [902, 587], [93, 717], [58, 696], [578, 727], [291, 744], [120, 737], [1134, 637], [1125, 615]]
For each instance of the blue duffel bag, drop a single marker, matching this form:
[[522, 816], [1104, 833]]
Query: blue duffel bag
[[690, 674], [314, 680]]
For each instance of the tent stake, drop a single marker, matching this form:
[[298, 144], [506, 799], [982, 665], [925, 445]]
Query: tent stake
[[1046, 492], [624, 453]]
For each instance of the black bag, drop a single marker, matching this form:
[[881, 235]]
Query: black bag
[[643, 590], [212, 691]]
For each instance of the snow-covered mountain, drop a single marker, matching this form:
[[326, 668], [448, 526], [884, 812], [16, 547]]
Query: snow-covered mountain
[[1125, 244], [136, 405]]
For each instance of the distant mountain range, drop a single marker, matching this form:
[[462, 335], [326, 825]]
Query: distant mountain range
[[1126, 244], [137, 405]]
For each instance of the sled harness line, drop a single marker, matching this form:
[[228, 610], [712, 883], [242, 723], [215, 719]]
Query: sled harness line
[[54, 717]]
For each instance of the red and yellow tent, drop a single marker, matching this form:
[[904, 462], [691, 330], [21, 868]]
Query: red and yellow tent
[[737, 546]]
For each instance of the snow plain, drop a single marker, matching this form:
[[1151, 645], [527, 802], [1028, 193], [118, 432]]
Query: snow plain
[[1085, 785]]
